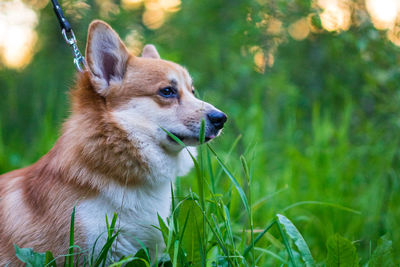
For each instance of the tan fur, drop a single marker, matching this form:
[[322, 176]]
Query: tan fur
[[36, 202], [94, 150]]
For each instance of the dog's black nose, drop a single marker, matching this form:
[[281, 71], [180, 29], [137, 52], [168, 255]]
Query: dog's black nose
[[217, 118]]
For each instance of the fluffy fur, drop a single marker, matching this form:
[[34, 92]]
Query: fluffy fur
[[113, 155]]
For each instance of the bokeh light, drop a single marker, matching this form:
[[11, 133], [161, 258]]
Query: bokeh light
[[134, 42], [274, 26], [156, 11], [17, 34], [383, 12], [299, 30], [131, 4], [18, 20], [336, 15]]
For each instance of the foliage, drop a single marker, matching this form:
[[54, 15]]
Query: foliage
[[341, 252], [199, 232], [299, 241], [383, 254], [28, 256]]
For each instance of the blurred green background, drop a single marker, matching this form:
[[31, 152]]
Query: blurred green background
[[312, 88]]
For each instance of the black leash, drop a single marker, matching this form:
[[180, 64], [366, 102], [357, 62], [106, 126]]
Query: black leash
[[69, 37]]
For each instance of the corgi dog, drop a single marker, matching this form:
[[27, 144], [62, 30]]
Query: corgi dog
[[113, 155]]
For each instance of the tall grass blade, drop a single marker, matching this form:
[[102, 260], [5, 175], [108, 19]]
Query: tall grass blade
[[246, 170], [259, 236], [49, 260], [202, 135], [167, 234], [70, 256], [111, 227], [200, 175], [228, 226], [102, 258], [234, 181], [234, 144], [323, 204], [128, 260], [176, 250], [211, 172], [176, 139], [276, 256]]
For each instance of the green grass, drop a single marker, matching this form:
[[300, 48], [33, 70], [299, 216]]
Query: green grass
[[204, 230]]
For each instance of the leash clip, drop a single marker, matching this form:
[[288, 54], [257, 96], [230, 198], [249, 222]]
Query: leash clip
[[79, 60]]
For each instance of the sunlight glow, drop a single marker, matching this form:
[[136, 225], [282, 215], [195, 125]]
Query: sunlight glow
[[336, 15], [394, 35], [274, 26], [156, 11], [383, 12], [131, 4], [153, 18], [170, 5], [259, 58], [17, 35], [134, 42], [299, 30]]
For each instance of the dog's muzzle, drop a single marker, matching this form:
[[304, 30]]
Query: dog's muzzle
[[217, 119]]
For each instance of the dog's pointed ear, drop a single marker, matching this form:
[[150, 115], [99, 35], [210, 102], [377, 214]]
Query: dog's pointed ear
[[150, 51], [106, 56]]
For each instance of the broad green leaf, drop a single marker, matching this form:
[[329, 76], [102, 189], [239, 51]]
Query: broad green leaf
[[298, 240], [30, 257], [341, 252], [191, 221], [383, 254]]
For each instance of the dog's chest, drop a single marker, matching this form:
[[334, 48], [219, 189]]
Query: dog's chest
[[137, 213]]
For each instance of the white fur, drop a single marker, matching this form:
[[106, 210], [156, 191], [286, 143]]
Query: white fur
[[137, 211], [137, 207]]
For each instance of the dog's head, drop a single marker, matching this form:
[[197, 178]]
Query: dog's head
[[147, 95]]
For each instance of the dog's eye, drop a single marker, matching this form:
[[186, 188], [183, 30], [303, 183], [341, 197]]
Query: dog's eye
[[168, 92]]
